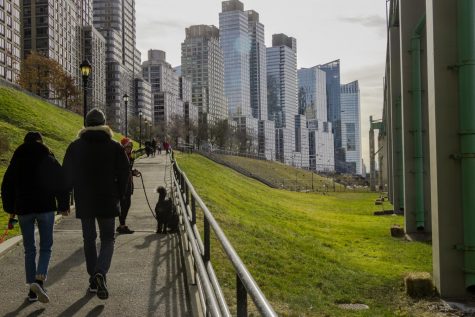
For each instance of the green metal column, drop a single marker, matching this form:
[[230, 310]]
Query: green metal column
[[417, 122], [466, 73], [399, 154]]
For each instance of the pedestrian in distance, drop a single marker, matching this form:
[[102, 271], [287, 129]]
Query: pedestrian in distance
[[126, 200], [154, 147], [33, 189], [97, 169]]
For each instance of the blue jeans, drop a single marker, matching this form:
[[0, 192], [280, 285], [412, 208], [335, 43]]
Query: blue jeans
[[45, 222], [98, 263]]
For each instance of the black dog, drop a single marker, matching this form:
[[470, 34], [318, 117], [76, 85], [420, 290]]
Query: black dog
[[167, 217]]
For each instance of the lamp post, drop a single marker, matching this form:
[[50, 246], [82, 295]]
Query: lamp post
[[140, 129], [126, 101], [86, 70]]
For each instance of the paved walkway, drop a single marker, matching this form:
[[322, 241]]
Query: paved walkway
[[146, 277]]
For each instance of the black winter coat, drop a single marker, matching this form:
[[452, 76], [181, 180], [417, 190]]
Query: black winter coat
[[33, 182], [97, 168]]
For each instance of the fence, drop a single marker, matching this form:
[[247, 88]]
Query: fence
[[212, 298]]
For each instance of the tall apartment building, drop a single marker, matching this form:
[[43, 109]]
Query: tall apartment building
[[313, 104], [282, 93], [10, 40], [235, 42], [52, 28], [95, 52], [143, 99], [258, 75], [300, 157], [202, 63], [165, 85], [351, 127], [332, 70], [115, 20]]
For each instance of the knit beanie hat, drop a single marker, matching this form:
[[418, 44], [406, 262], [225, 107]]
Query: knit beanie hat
[[33, 136], [125, 142], [95, 117]]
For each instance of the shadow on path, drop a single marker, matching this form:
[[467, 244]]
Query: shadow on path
[[77, 305], [58, 271]]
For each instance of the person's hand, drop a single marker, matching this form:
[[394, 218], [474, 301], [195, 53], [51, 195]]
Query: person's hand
[[136, 173], [65, 212]]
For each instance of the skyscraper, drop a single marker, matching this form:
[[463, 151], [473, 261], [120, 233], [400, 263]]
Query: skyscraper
[[115, 19], [282, 93], [202, 63], [10, 40], [332, 70], [235, 42], [258, 75], [351, 127], [313, 103]]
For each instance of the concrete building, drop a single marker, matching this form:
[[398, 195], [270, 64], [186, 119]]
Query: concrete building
[[301, 154], [351, 127], [266, 139], [428, 126], [143, 99], [313, 104], [95, 52], [52, 28], [202, 63], [248, 137], [282, 93], [10, 40], [257, 64], [332, 70], [165, 87], [235, 43], [115, 20]]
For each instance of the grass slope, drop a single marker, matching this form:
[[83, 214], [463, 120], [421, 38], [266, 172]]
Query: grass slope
[[284, 176], [20, 113], [308, 251]]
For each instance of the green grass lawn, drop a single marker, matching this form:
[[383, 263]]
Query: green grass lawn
[[20, 113], [284, 176], [308, 251]]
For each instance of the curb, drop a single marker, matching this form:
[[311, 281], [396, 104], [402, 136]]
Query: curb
[[7, 245]]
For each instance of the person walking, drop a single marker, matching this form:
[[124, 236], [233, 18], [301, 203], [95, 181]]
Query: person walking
[[33, 189], [97, 169], [126, 200]]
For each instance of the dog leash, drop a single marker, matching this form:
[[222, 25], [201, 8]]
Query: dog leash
[[146, 197]]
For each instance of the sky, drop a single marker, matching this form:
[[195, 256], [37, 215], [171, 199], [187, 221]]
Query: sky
[[352, 31]]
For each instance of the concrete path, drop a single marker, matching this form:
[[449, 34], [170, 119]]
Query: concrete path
[[147, 274]]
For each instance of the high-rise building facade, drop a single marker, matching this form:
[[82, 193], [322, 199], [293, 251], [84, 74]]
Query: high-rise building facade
[[202, 63], [95, 53], [10, 40], [115, 20], [351, 127], [143, 99], [235, 42], [301, 155], [257, 64], [313, 103], [52, 28], [282, 93], [165, 87], [332, 70]]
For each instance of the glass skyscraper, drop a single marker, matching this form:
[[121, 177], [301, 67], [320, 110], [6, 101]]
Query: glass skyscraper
[[351, 127], [282, 93], [236, 45]]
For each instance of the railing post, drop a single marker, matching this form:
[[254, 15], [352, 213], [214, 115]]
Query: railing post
[[207, 242], [241, 298], [193, 210]]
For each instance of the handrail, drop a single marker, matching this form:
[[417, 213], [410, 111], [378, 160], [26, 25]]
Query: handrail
[[186, 194]]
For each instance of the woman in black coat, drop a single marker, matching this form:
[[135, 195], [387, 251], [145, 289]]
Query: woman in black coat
[[33, 189]]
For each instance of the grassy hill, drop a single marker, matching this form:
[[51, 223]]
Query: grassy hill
[[20, 113], [284, 176], [308, 251]]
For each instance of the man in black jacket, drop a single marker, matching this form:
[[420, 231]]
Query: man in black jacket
[[97, 168], [33, 188]]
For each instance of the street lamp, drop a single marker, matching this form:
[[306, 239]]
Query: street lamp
[[86, 70], [140, 129], [126, 100]]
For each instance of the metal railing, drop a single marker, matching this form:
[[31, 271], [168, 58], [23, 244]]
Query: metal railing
[[211, 295]]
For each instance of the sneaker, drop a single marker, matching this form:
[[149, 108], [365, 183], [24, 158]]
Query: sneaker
[[32, 297], [124, 230], [102, 291], [92, 286], [40, 292]]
